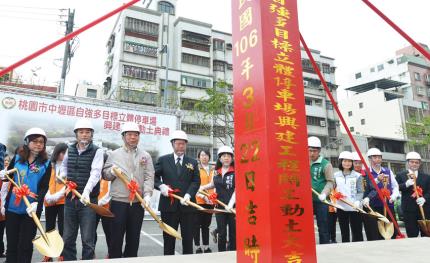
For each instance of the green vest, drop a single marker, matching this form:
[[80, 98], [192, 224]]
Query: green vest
[[318, 176]]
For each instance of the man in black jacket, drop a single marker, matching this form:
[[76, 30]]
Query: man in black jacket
[[411, 202], [179, 173]]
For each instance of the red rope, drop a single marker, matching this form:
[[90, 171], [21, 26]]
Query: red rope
[[66, 38], [398, 29], [314, 65]]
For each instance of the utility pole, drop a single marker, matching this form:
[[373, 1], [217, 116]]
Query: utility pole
[[67, 50]]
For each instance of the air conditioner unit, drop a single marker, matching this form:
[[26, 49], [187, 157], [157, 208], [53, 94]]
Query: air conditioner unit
[[322, 123], [305, 83]]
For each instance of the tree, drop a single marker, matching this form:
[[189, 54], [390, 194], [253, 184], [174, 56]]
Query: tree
[[418, 132], [215, 112]]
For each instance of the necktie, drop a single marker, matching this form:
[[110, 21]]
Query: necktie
[[178, 166]]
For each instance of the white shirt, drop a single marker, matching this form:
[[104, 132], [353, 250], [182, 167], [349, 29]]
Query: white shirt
[[412, 172], [95, 173], [176, 158]]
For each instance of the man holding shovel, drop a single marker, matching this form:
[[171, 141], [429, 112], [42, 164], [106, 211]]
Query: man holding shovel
[[82, 165], [386, 181], [408, 180], [322, 182], [137, 165]]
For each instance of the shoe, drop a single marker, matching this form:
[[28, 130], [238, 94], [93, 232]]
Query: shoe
[[199, 250], [214, 234], [47, 259], [208, 250]]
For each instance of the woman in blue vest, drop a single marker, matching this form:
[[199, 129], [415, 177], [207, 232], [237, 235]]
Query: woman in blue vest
[[34, 170], [224, 183]]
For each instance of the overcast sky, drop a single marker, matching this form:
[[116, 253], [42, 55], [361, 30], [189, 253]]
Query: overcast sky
[[346, 30]]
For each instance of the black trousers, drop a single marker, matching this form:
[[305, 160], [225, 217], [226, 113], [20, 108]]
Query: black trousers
[[411, 222], [106, 224], [223, 220], [347, 220], [203, 221], [2, 227], [127, 221], [51, 214], [174, 219], [371, 223], [20, 231], [332, 219]]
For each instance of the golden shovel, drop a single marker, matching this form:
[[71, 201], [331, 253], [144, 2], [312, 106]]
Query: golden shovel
[[424, 224], [385, 229], [165, 227], [218, 201], [49, 244], [327, 202], [100, 210], [200, 208]]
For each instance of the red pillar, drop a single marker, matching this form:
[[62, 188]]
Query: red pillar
[[274, 200]]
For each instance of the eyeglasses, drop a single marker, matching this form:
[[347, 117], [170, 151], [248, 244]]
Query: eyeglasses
[[38, 141]]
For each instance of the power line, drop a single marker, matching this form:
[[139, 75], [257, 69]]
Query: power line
[[32, 13], [32, 7], [28, 18]]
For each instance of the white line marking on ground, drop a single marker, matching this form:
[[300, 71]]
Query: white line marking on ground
[[156, 241]]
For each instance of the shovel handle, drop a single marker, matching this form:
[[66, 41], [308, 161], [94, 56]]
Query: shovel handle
[[218, 201], [188, 202], [75, 192], [416, 194]]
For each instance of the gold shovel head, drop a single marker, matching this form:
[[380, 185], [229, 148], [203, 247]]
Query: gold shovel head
[[170, 230], [386, 230], [55, 246], [425, 227]]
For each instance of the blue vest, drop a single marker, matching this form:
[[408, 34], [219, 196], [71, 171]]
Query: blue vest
[[28, 177], [376, 202]]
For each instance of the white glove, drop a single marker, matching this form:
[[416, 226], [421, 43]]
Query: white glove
[[421, 201], [393, 198], [32, 208], [85, 198], [51, 199], [366, 201], [357, 204], [3, 174], [409, 182], [147, 200], [164, 189], [322, 197], [3, 211], [185, 199]]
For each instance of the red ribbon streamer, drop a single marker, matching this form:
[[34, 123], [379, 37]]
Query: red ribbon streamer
[[337, 195], [71, 186], [133, 187], [213, 197], [386, 193], [172, 191], [418, 193], [22, 191]]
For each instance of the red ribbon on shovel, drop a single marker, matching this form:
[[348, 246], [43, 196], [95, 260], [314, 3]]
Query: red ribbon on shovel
[[173, 191], [418, 193], [386, 193], [22, 191], [133, 187], [213, 197], [337, 195], [70, 187]]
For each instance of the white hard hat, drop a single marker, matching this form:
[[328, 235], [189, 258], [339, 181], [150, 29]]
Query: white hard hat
[[355, 156], [346, 155], [413, 156], [179, 135], [83, 124], [314, 142], [225, 149], [373, 151], [35, 131], [130, 126]]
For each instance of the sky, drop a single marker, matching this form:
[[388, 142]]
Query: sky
[[346, 30]]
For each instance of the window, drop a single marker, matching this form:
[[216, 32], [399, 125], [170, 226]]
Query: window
[[307, 66], [229, 46], [111, 43], [138, 97], [358, 75], [218, 44], [363, 121], [425, 105], [417, 76], [195, 82], [196, 41], [315, 121], [360, 105], [380, 67], [328, 105], [141, 27], [188, 104], [372, 70], [140, 49], [349, 113], [92, 93], [308, 101], [318, 102], [427, 78], [230, 66], [195, 129], [219, 66], [195, 60], [139, 73], [166, 7], [420, 91], [326, 68], [351, 129], [193, 150]]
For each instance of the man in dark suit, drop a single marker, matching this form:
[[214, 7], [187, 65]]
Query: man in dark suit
[[177, 172], [410, 202]]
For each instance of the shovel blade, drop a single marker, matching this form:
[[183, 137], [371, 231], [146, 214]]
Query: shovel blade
[[425, 227], [100, 210], [386, 230], [170, 230], [55, 246]]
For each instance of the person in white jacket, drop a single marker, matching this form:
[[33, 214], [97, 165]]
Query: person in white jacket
[[348, 183]]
